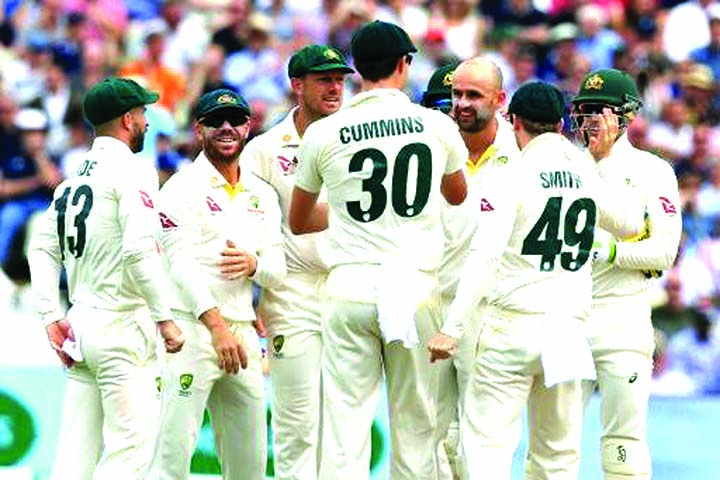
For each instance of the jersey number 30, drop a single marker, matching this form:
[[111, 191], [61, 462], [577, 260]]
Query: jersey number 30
[[573, 235], [75, 244], [375, 187]]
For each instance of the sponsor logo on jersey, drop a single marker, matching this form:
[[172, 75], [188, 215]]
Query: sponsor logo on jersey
[[147, 201], [668, 206], [212, 204], [287, 165], [485, 206], [166, 222], [186, 380], [254, 205]]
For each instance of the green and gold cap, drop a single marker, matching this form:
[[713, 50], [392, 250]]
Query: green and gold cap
[[317, 58], [113, 97]]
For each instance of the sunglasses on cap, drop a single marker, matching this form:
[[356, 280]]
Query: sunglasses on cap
[[217, 121], [442, 104]]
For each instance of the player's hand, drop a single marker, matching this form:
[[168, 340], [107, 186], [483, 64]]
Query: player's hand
[[57, 333], [604, 251], [236, 263], [230, 351], [173, 337], [441, 347], [604, 133]]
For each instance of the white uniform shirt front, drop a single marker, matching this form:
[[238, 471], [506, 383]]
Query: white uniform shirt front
[[657, 248], [198, 215], [272, 157], [460, 221], [381, 158], [102, 225], [534, 241]]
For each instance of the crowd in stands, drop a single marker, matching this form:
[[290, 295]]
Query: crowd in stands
[[51, 51]]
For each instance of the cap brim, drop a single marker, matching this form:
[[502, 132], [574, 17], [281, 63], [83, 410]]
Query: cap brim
[[151, 97], [331, 66], [218, 108]]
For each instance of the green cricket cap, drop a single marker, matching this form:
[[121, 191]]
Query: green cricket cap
[[538, 102], [317, 58], [113, 97], [221, 99], [378, 40]]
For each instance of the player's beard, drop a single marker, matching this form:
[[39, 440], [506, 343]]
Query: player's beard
[[478, 123], [212, 150], [137, 138]]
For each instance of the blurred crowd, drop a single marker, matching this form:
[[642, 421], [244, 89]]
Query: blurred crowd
[[51, 51]]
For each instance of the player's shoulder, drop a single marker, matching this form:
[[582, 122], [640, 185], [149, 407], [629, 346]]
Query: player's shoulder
[[182, 180]]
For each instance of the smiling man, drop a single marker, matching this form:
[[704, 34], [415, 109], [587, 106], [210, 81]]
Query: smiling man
[[292, 311], [209, 207]]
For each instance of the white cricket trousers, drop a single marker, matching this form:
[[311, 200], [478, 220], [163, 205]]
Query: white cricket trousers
[[507, 376], [109, 420], [191, 381], [293, 317], [622, 342], [355, 358]]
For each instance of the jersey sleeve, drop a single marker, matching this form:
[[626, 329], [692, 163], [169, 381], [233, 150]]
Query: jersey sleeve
[[180, 226], [271, 269], [620, 208], [657, 249], [494, 229], [44, 258], [307, 174], [457, 152], [138, 222]]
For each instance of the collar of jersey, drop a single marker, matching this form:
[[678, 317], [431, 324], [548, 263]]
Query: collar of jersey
[[377, 95], [474, 167], [215, 179], [288, 133], [113, 145]]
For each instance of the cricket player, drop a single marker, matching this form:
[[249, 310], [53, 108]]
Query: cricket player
[[385, 163], [531, 349], [292, 310], [205, 209], [620, 330], [474, 90], [101, 226]]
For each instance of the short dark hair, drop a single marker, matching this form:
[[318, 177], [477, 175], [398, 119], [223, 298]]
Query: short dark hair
[[376, 70], [537, 128]]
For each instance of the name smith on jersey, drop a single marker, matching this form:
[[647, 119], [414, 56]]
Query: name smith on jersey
[[381, 128], [560, 179]]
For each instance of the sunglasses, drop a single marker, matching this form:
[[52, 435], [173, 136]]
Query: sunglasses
[[217, 121], [408, 59], [592, 108], [442, 104]]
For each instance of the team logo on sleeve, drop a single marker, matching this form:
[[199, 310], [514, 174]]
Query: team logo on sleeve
[[668, 206], [212, 204], [147, 201], [166, 222], [486, 206]]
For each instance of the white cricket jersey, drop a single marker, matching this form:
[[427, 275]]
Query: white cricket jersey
[[382, 158], [199, 212], [460, 221], [531, 253], [655, 181], [272, 157], [102, 226]]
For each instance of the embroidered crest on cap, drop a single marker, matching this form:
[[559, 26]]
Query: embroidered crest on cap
[[594, 83]]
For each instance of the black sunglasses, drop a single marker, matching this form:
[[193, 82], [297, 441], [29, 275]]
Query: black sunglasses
[[408, 59], [217, 121]]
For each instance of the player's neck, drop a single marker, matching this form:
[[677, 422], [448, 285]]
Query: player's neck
[[478, 142], [230, 170]]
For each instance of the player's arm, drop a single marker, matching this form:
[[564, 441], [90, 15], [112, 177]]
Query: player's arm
[[306, 215], [138, 222], [658, 250], [270, 267], [180, 228], [621, 210], [478, 274], [45, 261], [453, 185]]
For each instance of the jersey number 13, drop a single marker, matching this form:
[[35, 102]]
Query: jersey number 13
[[75, 243]]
